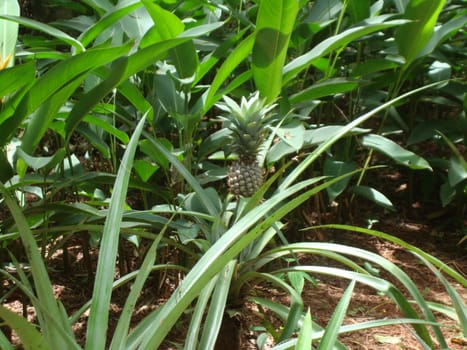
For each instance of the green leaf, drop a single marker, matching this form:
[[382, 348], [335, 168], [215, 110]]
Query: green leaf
[[333, 167], [107, 20], [374, 196], [217, 307], [45, 28], [145, 169], [333, 43], [99, 313], [332, 328], [237, 56], [395, 152], [305, 335], [168, 26], [340, 132], [328, 87], [358, 10], [412, 37], [8, 34], [106, 126], [60, 76], [57, 334], [48, 163], [274, 25], [30, 337], [442, 33], [11, 79]]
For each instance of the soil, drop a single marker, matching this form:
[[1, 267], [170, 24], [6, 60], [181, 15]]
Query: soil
[[72, 284]]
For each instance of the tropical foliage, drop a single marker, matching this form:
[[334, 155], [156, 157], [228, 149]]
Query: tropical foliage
[[118, 124]]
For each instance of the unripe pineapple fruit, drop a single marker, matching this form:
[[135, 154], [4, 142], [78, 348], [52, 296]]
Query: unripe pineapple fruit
[[248, 125]]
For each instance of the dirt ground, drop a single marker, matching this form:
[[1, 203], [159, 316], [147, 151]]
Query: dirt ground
[[436, 238]]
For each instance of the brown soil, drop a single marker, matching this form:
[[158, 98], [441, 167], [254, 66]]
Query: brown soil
[[73, 286]]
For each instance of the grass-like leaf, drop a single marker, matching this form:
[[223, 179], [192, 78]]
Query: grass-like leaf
[[98, 317], [331, 331]]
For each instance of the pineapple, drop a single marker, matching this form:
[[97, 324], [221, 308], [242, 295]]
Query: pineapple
[[247, 123]]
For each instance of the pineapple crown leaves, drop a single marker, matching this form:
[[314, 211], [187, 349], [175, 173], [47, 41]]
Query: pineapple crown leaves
[[252, 110], [247, 122]]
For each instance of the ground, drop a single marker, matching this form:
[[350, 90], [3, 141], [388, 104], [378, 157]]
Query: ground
[[434, 237]]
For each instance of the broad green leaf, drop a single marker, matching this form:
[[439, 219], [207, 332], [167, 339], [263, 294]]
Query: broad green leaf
[[340, 133], [333, 43], [368, 67], [11, 79], [328, 87], [30, 337], [412, 37], [99, 313], [145, 169], [324, 11], [106, 126], [46, 163], [374, 196], [443, 32], [274, 25], [333, 167], [8, 34], [358, 10], [45, 28], [292, 134], [168, 26], [107, 20], [41, 119], [457, 171], [395, 152], [57, 78], [94, 139]]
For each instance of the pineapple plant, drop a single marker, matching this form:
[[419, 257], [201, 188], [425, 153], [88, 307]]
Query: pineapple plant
[[248, 124]]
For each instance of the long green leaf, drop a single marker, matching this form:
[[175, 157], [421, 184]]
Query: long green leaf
[[328, 87], [237, 56], [98, 316], [341, 132], [107, 20], [274, 25], [11, 79], [31, 338], [55, 337], [331, 331], [57, 78], [121, 331], [391, 149], [332, 43], [304, 340], [217, 307], [45, 28], [8, 33], [192, 337], [390, 238]]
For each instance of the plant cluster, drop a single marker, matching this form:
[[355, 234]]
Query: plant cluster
[[197, 127]]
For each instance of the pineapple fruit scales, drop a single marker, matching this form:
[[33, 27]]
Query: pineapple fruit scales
[[248, 123]]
